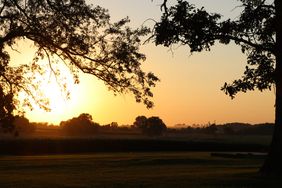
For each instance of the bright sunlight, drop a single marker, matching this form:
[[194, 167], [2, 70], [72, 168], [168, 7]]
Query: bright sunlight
[[60, 91]]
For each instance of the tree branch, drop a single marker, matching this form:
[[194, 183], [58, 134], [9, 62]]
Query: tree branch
[[19, 32], [164, 7], [241, 40]]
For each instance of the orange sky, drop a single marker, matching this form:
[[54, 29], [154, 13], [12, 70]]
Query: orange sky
[[189, 91]]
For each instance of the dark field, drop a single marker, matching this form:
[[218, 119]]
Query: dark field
[[158, 169], [44, 146], [131, 161], [49, 141]]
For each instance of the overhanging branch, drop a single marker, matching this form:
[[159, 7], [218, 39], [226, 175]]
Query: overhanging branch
[[247, 42]]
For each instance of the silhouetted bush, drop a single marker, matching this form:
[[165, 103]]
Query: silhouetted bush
[[210, 129], [22, 125], [140, 122], [110, 127], [152, 126], [229, 129], [81, 125]]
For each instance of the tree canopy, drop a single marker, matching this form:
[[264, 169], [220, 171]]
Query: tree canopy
[[78, 35], [81, 125], [152, 126], [140, 122], [253, 31], [257, 30]]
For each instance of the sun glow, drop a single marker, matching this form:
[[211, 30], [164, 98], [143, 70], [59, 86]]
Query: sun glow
[[57, 96], [59, 90]]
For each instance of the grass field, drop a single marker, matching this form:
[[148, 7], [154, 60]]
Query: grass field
[[151, 169]]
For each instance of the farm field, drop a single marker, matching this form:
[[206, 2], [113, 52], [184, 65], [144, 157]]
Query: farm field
[[82, 145], [132, 169]]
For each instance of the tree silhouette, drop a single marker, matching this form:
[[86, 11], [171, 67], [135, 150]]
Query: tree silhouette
[[22, 125], [259, 33], [81, 125], [6, 109], [155, 126], [78, 35], [140, 122], [152, 126]]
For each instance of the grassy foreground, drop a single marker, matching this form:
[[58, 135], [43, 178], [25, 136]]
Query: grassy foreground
[[150, 169]]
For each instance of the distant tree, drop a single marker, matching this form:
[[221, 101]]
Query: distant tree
[[114, 125], [22, 125], [210, 129], [140, 122], [41, 125], [257, 30], [81, 125], [74, 34], [155, 126], [152, 126], [110, 127]]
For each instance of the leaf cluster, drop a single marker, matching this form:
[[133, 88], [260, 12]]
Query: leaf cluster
[[152, 126], [78, 35], [254, 31]]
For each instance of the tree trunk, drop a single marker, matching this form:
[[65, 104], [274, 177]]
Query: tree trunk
[[273, 162]]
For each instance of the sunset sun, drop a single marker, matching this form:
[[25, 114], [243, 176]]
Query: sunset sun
[[56, 95], [59, 91]]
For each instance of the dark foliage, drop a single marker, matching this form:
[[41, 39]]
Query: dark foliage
[[81, 125], [210, 129], [254, 31], [6, 109], [140, 122], [228, 129], [22, 125], [75, 34], [152, 126]]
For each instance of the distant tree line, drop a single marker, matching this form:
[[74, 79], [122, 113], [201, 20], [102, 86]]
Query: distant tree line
[[227, 129], [21, 125], [83, 125]]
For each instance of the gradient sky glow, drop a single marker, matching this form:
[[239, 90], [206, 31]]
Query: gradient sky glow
[[189, 91]]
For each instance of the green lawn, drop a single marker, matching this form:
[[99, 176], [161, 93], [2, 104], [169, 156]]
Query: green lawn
[[176, 169]]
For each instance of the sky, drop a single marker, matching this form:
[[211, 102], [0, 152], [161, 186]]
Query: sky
[[189, 91]]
